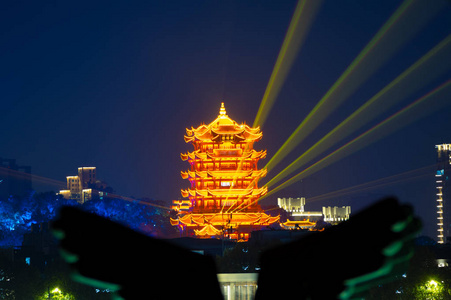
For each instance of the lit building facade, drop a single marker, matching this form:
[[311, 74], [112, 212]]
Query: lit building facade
[[238, 286], [443, 193], [79, 186], [223, 176], [291, 205], [335, 214], [299, 218]]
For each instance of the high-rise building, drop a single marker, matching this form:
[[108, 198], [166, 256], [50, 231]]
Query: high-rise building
[[79, 187], [223, 178], [443, 193]]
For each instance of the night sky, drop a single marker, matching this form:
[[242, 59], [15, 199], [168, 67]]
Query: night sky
[[114, 85]]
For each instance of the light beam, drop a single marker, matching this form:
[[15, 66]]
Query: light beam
[[299, 26], [378, 183], [417, 109], [58, 183], [433, 63], [401, 26]]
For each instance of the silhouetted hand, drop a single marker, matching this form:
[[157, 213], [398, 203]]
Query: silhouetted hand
[[105, 254], [345, 260]]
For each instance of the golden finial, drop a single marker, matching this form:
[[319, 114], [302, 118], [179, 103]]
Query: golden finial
[[222, 110]]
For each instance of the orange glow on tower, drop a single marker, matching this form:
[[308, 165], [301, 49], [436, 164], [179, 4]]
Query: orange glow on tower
[[224, 176]]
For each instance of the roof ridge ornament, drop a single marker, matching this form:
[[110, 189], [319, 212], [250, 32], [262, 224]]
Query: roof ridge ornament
[[222, 110]]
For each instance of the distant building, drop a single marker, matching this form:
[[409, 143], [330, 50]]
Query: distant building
[[299, 218], [80, 187], [443, 193], [39, 247], [15, 180], [335, 214], [291, 204], [238, 285]]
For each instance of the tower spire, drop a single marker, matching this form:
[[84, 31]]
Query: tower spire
[[222, 110]]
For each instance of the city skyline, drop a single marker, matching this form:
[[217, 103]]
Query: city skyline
[[115, 86]]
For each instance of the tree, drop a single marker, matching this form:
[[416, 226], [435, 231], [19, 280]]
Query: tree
[[423, 280]]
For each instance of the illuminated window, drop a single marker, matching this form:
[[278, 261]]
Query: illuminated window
[[225, 183]]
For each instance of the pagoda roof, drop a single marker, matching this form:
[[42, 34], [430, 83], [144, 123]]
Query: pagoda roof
[[225, 192], [220, 154], [237, 174], [208, 230], [223, 128], [304, 223], [223, 219], [224, 174], [181, 205], [174, 222]]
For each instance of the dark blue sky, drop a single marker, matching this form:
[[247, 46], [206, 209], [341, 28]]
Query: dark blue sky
[[114, 85]]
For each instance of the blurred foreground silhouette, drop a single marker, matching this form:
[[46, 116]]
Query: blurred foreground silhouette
[[342, 262]]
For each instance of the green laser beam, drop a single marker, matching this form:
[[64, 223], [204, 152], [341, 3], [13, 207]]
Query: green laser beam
[[297, 31], [434, 62], [235, 177], [243, 203], [368, 186], [399, 28], [408, 114]]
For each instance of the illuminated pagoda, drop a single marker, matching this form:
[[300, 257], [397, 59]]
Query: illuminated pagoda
[[224, 178]]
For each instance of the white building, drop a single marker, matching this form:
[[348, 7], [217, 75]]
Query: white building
[[333, 214], [291, 204], [238, 286]]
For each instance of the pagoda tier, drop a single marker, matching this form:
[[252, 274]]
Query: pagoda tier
[[223, 175], [218, 155], [224, 193], [235, 225], [227, 220]]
